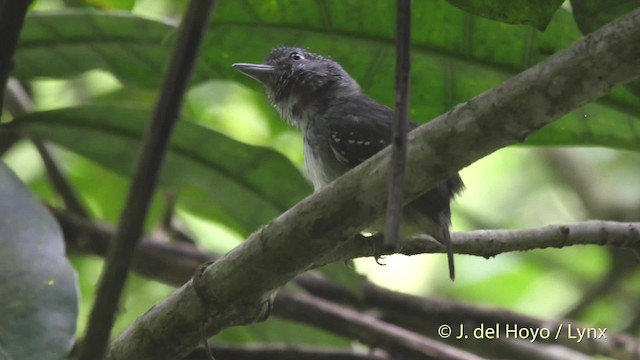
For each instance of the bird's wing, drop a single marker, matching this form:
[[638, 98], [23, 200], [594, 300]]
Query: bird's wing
[[352, 144], [357, 135]]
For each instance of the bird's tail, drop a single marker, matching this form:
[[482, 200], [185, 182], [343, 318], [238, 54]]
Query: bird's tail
[[446, 241]]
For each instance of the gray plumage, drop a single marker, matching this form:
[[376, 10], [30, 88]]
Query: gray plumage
[[342, 127]]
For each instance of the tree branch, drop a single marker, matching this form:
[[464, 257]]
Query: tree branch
[[365, 328], [489, 243], [280, 352], [525, 349], [170, 263], [59, 181], [154, 147], [276, 253]]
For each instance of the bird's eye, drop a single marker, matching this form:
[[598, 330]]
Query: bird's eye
[[296, 56]]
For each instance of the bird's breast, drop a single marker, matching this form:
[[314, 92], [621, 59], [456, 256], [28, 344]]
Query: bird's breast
[[320, 162], [315, 168]]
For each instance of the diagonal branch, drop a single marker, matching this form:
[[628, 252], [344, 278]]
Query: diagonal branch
[[284, 352], [277, 253], [59, 181], [370, 330], [19, 103], [155, 143]]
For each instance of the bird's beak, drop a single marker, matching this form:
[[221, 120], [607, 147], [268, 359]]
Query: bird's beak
[[259, 72]]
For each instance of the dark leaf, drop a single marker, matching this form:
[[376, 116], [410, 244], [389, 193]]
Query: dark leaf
[[38, 290], [536, 13]]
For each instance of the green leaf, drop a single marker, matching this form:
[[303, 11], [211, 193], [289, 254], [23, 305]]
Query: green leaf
[[112, 4], [537, 13], [590, 15], [237, 184], [38, 290], [593, 125], [102, 4], [68, 42]]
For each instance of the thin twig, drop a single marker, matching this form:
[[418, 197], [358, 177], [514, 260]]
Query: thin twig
[[489, 243], [59, 181], [19, 102], [7, 140], [399, 129], [156, 141], [17, 99]]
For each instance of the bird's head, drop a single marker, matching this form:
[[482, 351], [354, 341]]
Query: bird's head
[[298, 82]]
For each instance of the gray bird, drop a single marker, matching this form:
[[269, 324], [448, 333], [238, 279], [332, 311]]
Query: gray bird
[[342, 127]]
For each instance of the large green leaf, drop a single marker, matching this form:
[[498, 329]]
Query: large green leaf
[[536, 13], [102, 4], [455, 55], [241, 185], [592, 14], [69, 42], [38, 290]]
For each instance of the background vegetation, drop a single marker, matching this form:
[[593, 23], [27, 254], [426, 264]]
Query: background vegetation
[[91, 70]]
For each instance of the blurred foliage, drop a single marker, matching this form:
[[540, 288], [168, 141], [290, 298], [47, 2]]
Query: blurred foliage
[[590, 15], [536, 13], [94, 74]]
